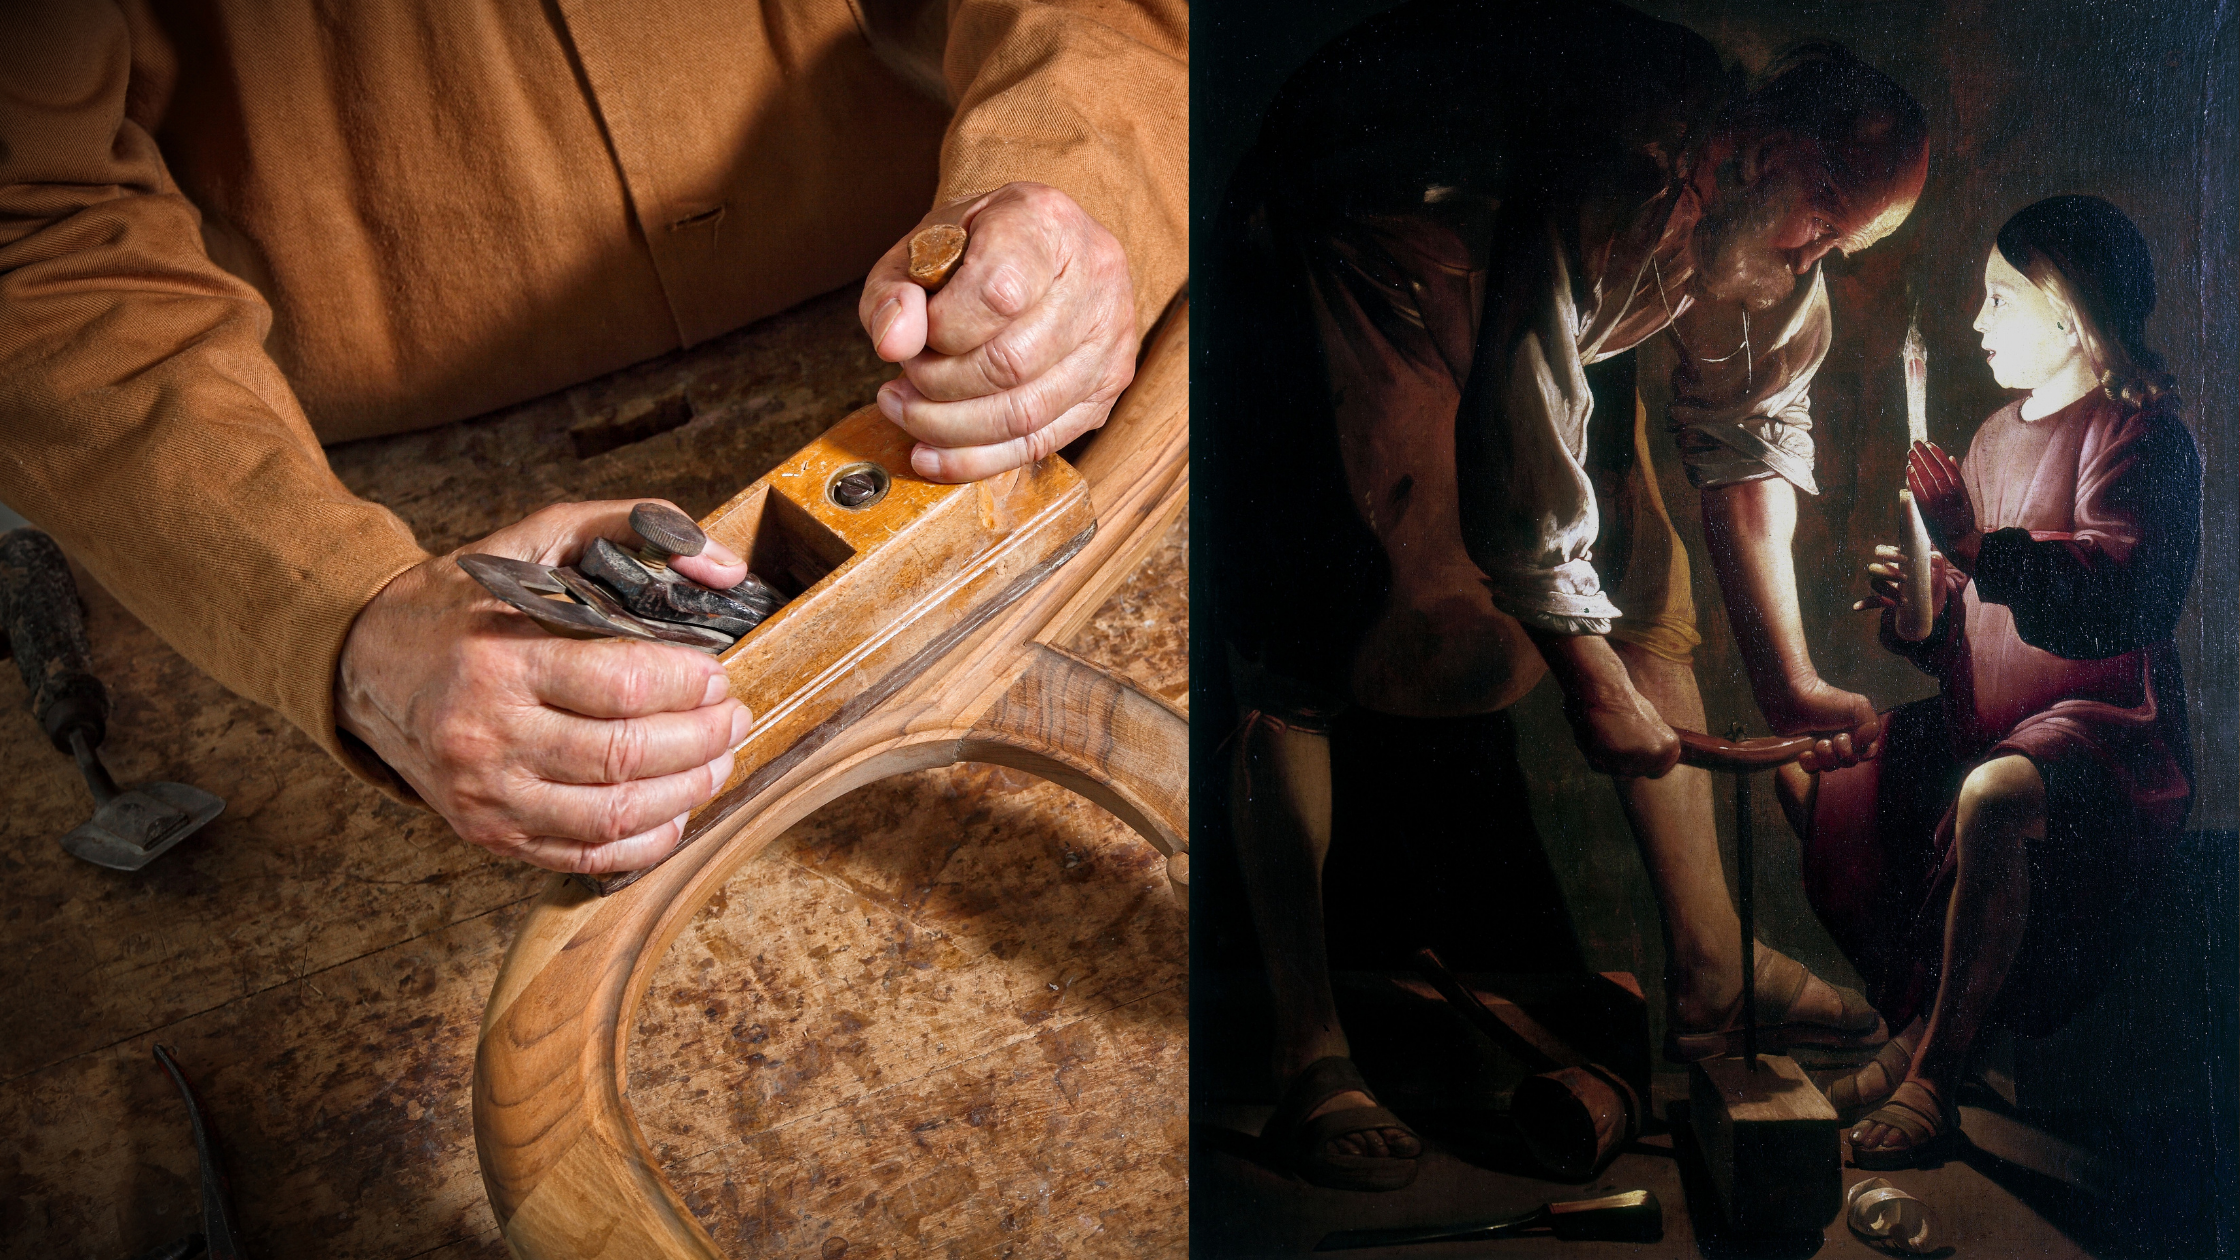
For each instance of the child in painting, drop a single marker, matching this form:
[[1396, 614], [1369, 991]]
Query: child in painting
[[1974, 870]]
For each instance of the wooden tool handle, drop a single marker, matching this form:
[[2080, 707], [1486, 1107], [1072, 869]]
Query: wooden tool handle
[[1709, 752], [39, 607], [935, 253]]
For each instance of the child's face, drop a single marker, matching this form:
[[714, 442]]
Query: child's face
[[2027, 338]]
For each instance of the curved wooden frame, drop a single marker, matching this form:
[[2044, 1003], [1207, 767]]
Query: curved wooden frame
[[567, 1170]]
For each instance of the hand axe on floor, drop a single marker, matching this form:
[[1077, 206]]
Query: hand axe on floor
[[39, 607]]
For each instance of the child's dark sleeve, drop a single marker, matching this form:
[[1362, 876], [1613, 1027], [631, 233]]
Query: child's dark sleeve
[[2116, 584]]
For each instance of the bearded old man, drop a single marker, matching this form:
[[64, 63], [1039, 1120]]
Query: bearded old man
[[1451, 212]]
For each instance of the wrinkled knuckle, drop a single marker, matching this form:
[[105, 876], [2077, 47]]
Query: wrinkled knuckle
[[631, 685], [611, 821], [1042, 198], [1006, 359], [1017, 414], [1041, 443], [1005, 291], [625, 752], [456, 745]]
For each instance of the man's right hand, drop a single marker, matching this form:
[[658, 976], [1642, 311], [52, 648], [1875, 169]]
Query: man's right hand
[[1620, 732], [570, 754]]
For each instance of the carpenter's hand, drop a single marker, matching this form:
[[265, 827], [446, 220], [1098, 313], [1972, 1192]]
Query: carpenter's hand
[[1886, 579], [572, 754], [1022, 351], [1617, 728], [1846, 749], [1941, 495], [1813, 706]]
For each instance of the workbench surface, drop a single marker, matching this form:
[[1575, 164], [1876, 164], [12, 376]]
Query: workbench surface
[[945, 1015]]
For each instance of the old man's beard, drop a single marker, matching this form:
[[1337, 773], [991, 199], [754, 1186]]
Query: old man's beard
[[1735, 263]]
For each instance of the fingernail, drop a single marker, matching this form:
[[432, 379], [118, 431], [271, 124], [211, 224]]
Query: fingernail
[[741, 723], [719, 686], [924, 462], [883, 319], [721, 554], [890, 402]]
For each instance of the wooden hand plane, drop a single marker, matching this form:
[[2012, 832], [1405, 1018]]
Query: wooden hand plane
[[877, 587]]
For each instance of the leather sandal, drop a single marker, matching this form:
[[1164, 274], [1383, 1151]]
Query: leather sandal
[[1306, 1143], [1931, 1129], [1781, 981], [1853, 1098]]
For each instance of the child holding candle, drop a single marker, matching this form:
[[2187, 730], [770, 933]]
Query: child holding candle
[[1975, 869]]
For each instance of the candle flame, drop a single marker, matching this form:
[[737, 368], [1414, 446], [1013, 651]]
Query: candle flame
[[1915, 356]]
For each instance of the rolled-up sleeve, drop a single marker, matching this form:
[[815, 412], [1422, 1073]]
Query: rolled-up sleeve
[[1529, 517], [1091, 98], [1747, 416], [142, 423]]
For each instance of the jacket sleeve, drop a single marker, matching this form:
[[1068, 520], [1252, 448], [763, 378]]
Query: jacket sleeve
[[2118, 581], [1091, 97], [142, 423]]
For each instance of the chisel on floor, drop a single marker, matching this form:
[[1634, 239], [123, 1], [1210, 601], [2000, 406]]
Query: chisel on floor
[[1631, 1216]]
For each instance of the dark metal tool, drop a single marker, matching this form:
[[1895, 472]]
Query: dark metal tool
[[217, 1199], [1633, 1216], [1746, 882], [613, 594], [669, 533], [39, 606]]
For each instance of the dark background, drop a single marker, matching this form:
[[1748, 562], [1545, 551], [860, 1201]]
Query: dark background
[[2130, 101]]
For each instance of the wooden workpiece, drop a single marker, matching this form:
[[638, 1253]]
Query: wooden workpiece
[[922, 636], [942, 1013]]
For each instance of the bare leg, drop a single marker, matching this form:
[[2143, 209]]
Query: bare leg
[[2002, 808], [1679, 840], [1280, 811], [1796, 788], [1748, 528]]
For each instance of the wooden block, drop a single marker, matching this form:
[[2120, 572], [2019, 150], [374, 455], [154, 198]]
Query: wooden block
[[1769, 1141], [877, 592]]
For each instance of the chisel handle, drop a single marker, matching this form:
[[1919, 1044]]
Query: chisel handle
[[39, 607], [934, 254]]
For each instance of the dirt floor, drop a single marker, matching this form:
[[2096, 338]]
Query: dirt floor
[[944, 1016]]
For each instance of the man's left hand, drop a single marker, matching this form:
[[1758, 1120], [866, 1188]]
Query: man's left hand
[[1026, 347]]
